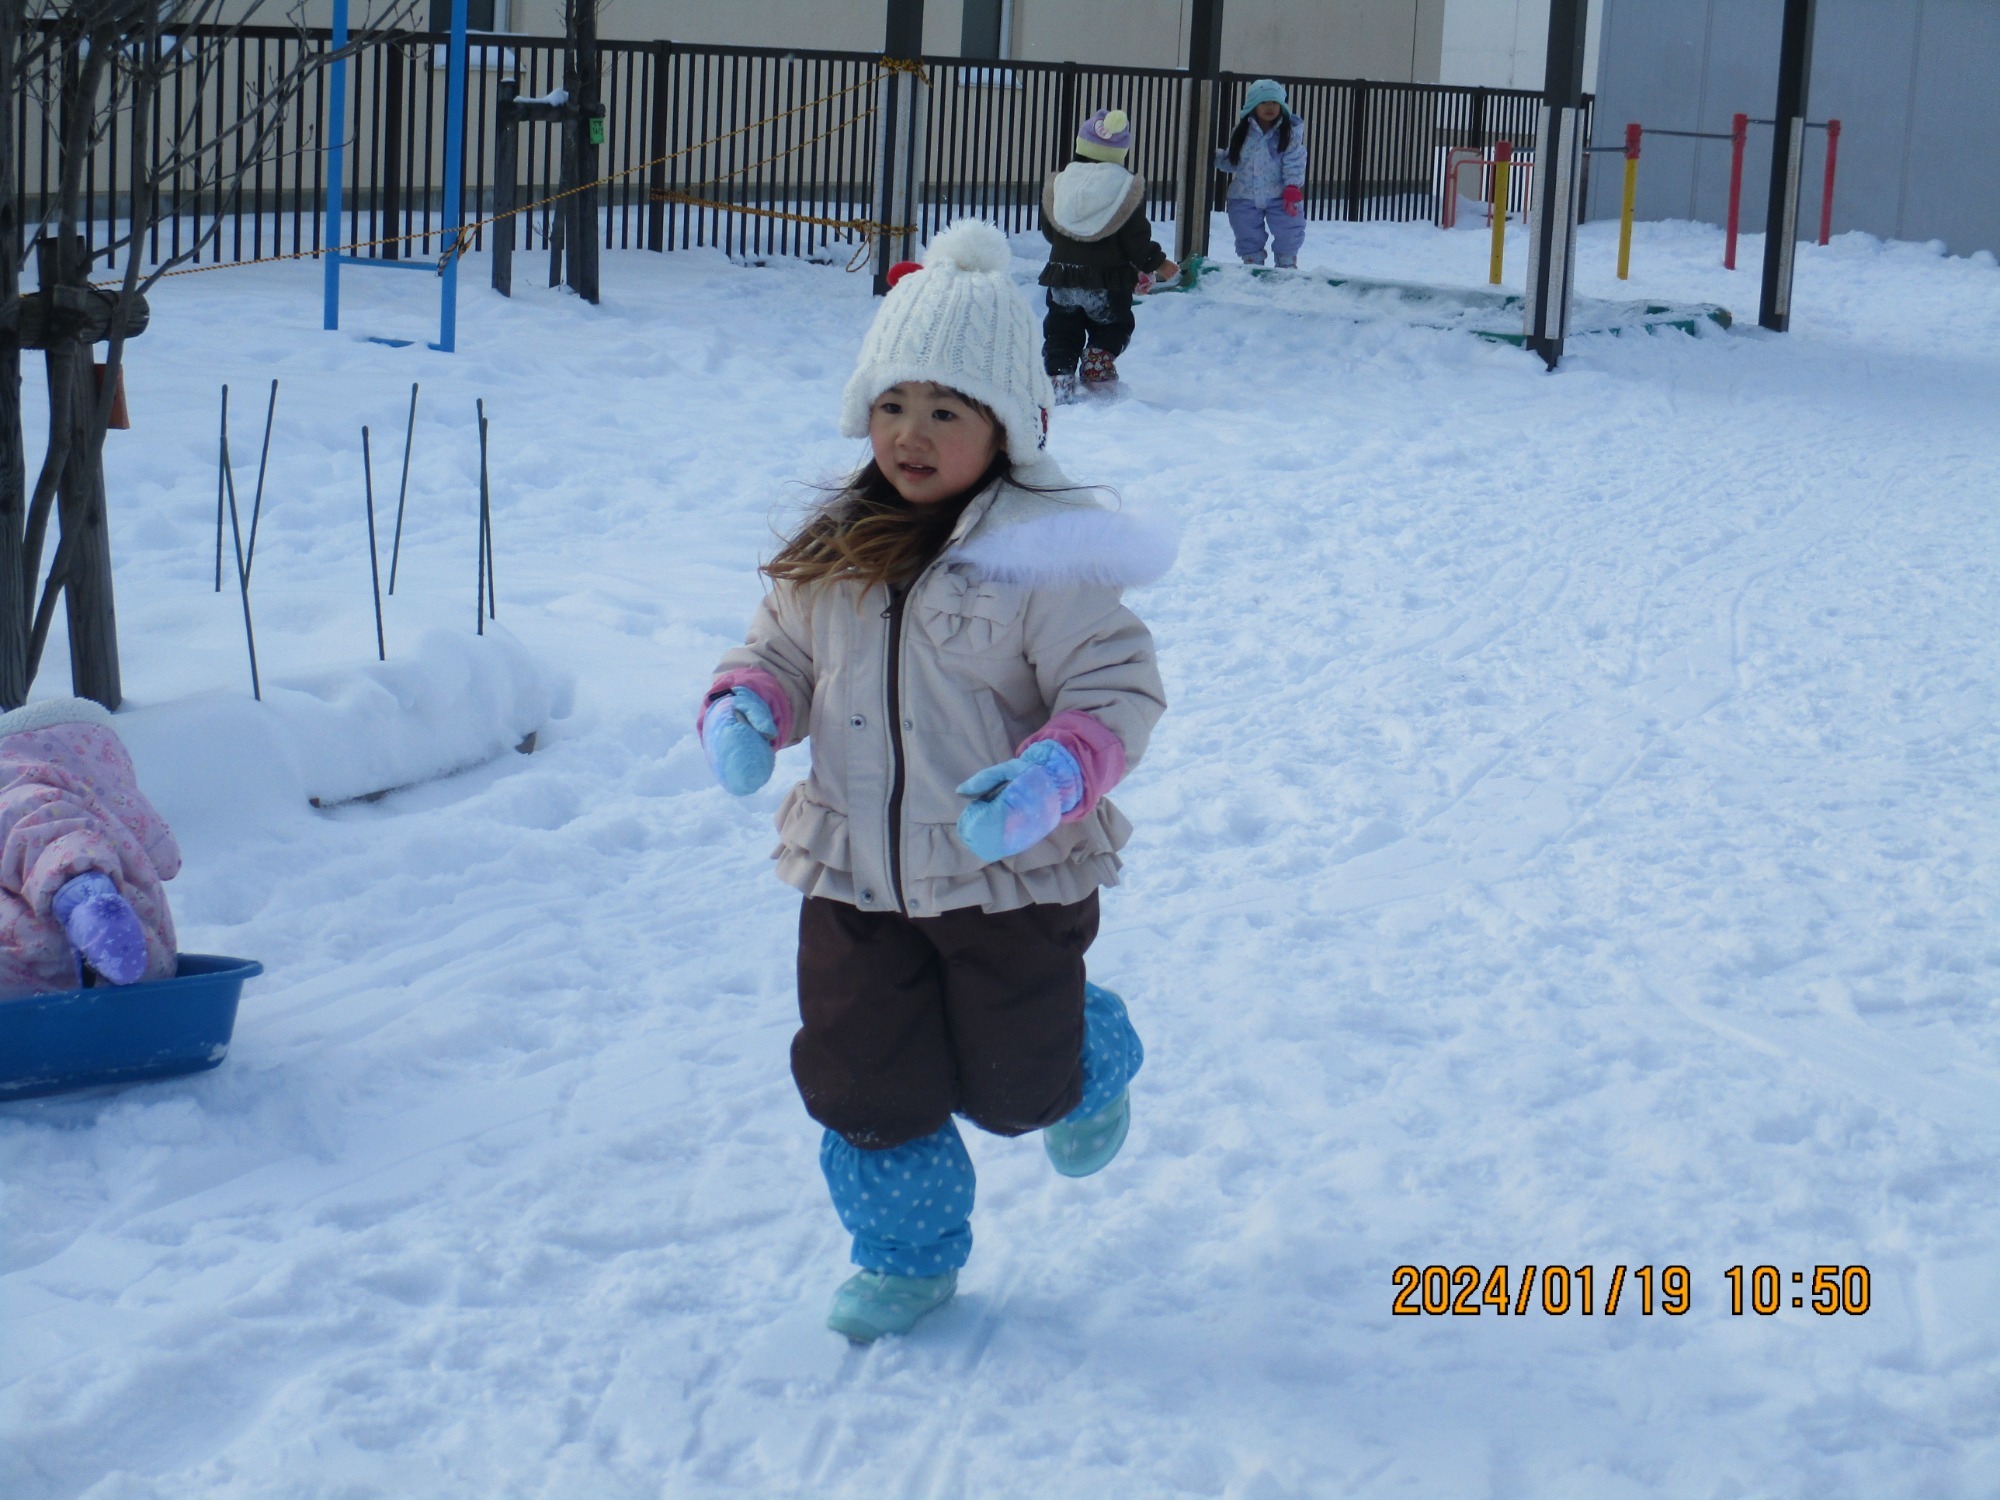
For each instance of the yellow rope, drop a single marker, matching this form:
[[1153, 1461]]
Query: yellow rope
[[461, 242], [870, 228]]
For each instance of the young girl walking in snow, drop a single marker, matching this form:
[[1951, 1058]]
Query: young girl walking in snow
[[1266, 160], [948, 632]]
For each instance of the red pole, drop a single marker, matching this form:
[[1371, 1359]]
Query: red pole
[[1739, 130], [1826, 192]]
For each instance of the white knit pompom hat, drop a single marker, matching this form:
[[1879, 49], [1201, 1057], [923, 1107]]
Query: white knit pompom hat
[[959, 322]]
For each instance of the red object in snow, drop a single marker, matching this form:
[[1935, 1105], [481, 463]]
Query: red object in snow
[[1826, 192], [1739, 131], [901, 269]]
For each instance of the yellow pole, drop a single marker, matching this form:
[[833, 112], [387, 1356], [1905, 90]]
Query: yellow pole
[[1625, 212], [1503, 155]]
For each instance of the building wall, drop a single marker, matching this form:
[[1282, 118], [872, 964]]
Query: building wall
[[1388, 39], [1911, 81], [1499, 43], [1505, 43]]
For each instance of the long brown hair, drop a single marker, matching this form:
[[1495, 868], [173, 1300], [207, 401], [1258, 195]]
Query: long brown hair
[[870, 534]]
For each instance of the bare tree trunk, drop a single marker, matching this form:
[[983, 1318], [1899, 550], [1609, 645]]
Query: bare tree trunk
[[82, 565], [14, 585]]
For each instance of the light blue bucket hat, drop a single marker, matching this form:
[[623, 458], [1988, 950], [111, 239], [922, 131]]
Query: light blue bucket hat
[[1264, 91]]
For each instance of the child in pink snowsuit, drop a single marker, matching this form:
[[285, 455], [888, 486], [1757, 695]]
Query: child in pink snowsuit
[[83, 855]]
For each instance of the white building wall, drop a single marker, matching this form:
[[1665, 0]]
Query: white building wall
[[1505, 43]]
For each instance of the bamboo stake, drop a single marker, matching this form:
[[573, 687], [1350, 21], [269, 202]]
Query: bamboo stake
[[221, 473], [396, 547], [263, 462], [243, 582], [374, 567]]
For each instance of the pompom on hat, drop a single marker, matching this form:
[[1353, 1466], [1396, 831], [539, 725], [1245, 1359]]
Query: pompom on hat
[[1105, 136], [959, 323]]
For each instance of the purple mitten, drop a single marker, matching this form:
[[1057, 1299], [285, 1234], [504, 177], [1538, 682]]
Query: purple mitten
[[102, 926]]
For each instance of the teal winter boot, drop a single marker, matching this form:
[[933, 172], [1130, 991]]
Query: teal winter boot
[[1080, 1147], [871, 1303]]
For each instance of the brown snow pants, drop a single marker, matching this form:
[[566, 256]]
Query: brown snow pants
[[907, 1021]]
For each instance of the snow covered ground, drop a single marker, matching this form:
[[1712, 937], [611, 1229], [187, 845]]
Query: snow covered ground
[[1572, 842]]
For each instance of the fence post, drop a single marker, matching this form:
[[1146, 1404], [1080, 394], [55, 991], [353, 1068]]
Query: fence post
[[1357, 128], [586, 87], [1067, 119], [389, 220], [1193, 204], [656, 149], [506, 187]]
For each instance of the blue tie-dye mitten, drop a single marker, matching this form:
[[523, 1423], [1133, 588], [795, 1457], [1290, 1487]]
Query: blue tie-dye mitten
[[1019, 802], [737, 733]]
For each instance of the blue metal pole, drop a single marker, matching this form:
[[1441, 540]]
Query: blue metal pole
[[336, 125], [454, 177]]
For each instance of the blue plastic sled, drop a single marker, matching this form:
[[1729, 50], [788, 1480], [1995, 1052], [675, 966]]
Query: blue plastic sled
[[77, 1039]]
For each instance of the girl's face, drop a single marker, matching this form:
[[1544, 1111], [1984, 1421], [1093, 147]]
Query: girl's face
[[931, 442], [1267, 113]]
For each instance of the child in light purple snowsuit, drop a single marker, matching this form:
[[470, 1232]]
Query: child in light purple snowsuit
[[83, 855], [1266, 163]]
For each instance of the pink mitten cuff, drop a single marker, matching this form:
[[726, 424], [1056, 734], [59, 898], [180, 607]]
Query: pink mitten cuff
[[1099, 753], [765, 686]]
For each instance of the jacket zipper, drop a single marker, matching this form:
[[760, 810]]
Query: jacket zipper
[[898, 598]]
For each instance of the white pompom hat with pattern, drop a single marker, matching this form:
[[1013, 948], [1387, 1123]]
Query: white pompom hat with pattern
[[961, 323]]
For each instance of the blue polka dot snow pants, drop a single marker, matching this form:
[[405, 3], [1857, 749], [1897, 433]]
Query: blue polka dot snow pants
[[1252, 221], [909, 1207]]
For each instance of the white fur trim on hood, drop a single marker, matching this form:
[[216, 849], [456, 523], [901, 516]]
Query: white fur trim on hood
[[1043, 541], [50, 712], [1090, 200]]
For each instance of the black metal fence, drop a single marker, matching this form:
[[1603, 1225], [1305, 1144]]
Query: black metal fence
[[695, 136]]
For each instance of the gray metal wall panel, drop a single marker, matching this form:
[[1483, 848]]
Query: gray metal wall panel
[[1951, 191], [1912, 82]]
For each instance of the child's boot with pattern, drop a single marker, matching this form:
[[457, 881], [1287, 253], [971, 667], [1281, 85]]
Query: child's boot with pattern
[[1099, 368]]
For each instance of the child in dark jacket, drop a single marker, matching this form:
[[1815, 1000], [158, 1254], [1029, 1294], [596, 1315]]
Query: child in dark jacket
[[1101, 249]]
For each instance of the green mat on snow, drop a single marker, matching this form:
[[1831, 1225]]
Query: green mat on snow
[[1486, 313]]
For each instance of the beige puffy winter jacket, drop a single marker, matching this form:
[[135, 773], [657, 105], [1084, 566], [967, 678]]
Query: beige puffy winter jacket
[[1017, 620]]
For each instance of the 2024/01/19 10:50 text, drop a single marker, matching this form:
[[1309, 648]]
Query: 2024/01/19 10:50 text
[[1468, 1291]]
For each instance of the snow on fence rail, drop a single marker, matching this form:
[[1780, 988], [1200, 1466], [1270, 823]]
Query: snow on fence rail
[[990, 134]]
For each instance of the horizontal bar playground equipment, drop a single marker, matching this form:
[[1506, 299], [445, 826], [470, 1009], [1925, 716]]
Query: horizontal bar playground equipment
[[1737, 135]]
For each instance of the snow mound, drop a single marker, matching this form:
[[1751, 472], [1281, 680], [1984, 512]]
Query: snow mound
[[456, 702]]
